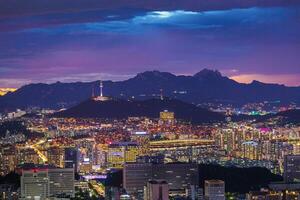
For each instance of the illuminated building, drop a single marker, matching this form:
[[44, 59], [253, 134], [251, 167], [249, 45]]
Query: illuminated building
[[86, 166], [55, 156], [85, 149], [219, 139], [82, 185], [112, 193], [296, 148], [100, 155], [184, 150], [178, 175], [28, 156], [71, 158], [8, 160], [250, 150], [61, 182], [157, 159], [167, 117], [135, 177], [156, 189], [279, 149], [229, 140], [35, 184], [214, 190], [194, 192], [122, 152], [240, 138], [292, 168], [44, 182], [142, 138]]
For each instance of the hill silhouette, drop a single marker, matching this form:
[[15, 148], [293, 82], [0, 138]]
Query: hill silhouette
[[118, 108]]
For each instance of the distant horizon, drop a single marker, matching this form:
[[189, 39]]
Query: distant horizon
[[243, 78]]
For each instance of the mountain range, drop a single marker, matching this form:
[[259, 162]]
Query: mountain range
[[204, 86], [120, 109]]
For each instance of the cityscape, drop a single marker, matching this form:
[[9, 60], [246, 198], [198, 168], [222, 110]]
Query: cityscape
[[103, 100]]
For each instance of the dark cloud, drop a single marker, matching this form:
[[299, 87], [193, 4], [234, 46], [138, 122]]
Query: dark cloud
[[66, 11], [81, 40], [11, 8]]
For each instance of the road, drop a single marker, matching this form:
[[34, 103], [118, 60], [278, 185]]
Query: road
[[35, 147]]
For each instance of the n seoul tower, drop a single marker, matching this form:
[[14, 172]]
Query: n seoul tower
[[101, 89]]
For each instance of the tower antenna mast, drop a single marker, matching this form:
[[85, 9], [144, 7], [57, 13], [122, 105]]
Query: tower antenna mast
[[101, 89]]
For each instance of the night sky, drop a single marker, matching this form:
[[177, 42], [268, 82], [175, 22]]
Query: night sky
[[86, 40]]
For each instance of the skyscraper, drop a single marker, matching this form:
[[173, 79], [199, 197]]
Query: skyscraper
[[156, 190], [194, 192], [43, 182], [178, 175], [135, 177], [292, 168], [61, 182], [71, 158], [122, 152], [55, 156], [214, 190], [35, 184]]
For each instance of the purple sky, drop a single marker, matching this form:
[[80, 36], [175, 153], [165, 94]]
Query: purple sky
[[85, 40]]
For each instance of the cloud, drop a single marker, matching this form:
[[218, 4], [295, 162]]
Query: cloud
[[81, 77], [55, 43], [89, 77], [16, 14], [14, 82], [15, 8]]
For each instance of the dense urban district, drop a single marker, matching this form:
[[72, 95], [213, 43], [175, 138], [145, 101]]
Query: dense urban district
[[46, 156]]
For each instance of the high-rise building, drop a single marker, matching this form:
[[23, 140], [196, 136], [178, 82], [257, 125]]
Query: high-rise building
[[292, 168], [156, 190], [135, 177], [55, 156], [27, 156], [8, 159], [178, 175], [61, 182], [142, 138], [194, 192], [44, 182], [166, 117], [112, 193], [214, 190], [35, 184], [229, 140], [86, 166], [71, 158], [122, 152], [250, 150]]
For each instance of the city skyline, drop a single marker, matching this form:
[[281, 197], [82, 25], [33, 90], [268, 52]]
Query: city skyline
[[55, 41], [150, 100]]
